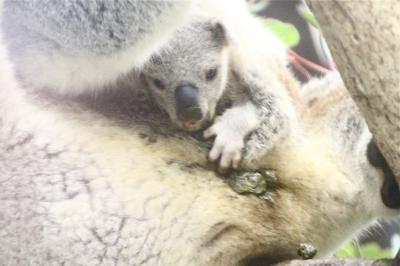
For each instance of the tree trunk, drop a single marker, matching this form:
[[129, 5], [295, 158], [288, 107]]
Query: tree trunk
[[364, 37]]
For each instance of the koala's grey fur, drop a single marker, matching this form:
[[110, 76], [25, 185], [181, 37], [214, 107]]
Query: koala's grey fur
[[192, 51], [249, 99], [74, 46]]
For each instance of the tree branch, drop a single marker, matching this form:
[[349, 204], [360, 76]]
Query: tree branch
[[364, 37]]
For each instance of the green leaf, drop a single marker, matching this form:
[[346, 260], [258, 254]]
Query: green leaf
[[367, 251], [308, 16], [350, 250], [286, 32]]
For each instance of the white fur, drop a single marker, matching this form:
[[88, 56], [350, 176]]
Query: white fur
[[229, 130]]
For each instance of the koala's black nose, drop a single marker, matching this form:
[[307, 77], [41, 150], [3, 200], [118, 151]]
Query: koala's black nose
[[187, 103]]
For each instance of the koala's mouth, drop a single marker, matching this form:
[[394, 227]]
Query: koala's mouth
[[194, 125], [193, 118]]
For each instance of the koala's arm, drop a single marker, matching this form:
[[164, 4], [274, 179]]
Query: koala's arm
[[259, 68], [275, 113], [230, 129], [75, 46], [262, 109]]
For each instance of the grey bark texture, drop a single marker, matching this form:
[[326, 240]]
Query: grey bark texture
[[339, 262], [335, 262], [364, 37]]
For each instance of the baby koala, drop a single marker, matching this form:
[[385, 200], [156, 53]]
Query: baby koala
[[198, 77]]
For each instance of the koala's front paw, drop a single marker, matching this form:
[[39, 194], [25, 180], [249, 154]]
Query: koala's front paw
[[227, 146]]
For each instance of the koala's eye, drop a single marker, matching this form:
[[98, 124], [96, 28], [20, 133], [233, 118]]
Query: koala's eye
[[159, 84], [211, 73]]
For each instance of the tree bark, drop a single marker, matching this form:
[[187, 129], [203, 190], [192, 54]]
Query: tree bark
[[337, 262], [364, 37]]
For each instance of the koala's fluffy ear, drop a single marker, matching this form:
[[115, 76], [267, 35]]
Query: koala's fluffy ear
[[222, 34]]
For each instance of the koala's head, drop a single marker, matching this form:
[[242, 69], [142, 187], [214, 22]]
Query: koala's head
[[188, 77]]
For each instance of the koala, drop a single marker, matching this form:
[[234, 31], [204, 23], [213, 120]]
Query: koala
[[200, 75], [101, 180], [70, 47], [188, 78], [98, 179]]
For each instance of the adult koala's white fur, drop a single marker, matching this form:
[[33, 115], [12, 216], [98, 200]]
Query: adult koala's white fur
[[98, 179]]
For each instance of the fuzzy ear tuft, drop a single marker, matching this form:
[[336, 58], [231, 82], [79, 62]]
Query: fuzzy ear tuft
[[222, 34], [156, 59]]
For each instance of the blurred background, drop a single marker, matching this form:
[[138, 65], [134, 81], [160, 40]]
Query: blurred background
[[293, 23]]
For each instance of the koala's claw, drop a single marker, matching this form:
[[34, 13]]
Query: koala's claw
[[231, 155], [227, 146]]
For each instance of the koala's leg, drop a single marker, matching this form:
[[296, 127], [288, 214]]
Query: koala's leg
[[76, 46]]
